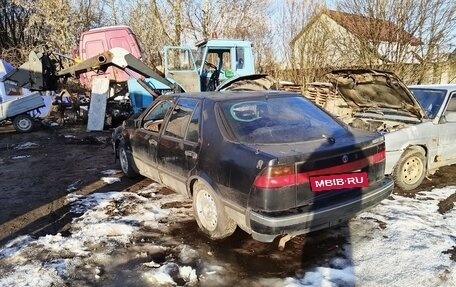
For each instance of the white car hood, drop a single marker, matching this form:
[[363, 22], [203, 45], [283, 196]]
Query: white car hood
[[373, 89]]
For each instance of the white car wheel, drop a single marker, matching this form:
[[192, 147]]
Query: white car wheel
[[210, 213], [410, 169], [23, 123], [206, 209]]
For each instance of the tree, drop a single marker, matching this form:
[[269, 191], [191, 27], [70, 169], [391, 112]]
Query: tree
[[235, 19], [432, 22], [88, 14], [27, 25], [13, 23], [301, 60], [50, 23], [156, 23]]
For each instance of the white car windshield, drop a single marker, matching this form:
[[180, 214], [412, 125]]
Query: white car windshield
[[430, 99]]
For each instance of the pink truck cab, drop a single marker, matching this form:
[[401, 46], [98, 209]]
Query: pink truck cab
[[98, 40]]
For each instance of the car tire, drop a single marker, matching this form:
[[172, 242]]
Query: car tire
[[23, 123], [126, 162], [210, 213], [410, 170]]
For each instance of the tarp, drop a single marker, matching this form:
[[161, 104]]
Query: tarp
[[5, 67]]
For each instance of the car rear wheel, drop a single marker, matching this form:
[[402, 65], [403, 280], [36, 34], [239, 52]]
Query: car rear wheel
[[23, 123], [210, 213], [126, 162], [410, 170]]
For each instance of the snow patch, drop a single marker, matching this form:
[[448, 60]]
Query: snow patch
[[110, 180], [111, 171], [20, 156], [27, 145], [398, 243]]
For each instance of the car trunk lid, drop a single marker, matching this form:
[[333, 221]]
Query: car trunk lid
[[362, 153]]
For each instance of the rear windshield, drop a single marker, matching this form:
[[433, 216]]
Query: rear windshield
[[279, 120]]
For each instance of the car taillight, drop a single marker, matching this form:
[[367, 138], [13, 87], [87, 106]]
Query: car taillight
[[276, 176], [379, 156]]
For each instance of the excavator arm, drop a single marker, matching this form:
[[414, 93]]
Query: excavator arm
[[41, 72]]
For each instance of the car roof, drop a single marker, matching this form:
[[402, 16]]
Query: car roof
[[233, 95], [449, 87]]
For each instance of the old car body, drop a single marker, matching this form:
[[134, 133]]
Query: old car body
[[270, 162], [417, 121]]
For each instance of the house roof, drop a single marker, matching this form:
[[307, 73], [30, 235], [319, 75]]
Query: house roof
[[366, 28]]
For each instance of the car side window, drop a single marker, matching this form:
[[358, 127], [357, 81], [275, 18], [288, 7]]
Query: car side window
[[450, 113], [180, 118], [153, 121], [193, 126]]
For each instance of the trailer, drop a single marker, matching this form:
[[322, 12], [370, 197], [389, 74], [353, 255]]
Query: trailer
[[17, 110]]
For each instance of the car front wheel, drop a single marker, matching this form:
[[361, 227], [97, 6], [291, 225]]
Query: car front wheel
[[126, 162], [410, 170], [23, 123], [210, 213]]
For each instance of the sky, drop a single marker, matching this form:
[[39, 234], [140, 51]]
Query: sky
[[130, 238]]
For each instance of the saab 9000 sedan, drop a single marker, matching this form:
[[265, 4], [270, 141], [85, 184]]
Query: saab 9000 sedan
[[270, 162]]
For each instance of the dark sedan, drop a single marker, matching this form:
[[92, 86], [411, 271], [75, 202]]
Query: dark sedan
[[270, 162]]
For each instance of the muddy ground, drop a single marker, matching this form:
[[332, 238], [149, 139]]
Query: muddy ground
[[39, 169]]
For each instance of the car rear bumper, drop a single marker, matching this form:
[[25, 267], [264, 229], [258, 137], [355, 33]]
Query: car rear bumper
[[265, 227]]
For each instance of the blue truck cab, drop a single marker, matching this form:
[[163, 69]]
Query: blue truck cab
[[210, 64]]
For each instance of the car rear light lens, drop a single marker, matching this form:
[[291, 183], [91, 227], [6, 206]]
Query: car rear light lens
[[379, 156], [276, 176]]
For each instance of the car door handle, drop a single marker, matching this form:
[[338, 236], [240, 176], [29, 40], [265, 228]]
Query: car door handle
[[152, 141], [191, 154]]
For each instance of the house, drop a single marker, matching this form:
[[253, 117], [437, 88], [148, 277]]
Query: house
[[334, 39], [448, 69]]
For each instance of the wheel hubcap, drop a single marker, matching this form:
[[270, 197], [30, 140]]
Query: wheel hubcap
[[24, 124], [412, 170], [207, 210]]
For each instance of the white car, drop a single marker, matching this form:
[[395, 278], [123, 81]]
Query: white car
[[418, 122]]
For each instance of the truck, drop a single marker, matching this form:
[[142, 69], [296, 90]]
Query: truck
[[98, 40], [214, 61]]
